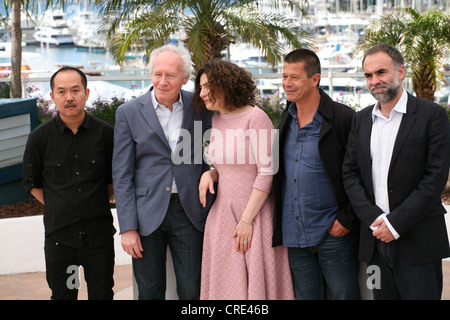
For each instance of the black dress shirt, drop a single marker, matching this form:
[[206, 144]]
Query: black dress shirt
[[74, 171]]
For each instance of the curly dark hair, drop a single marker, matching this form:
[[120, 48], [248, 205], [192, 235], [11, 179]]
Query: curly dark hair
[[226, 80]]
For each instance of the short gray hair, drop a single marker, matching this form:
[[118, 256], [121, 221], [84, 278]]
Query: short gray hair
[[180, 51]]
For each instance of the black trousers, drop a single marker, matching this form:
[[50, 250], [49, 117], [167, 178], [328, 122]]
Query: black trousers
[[62, 264], [400, 280]]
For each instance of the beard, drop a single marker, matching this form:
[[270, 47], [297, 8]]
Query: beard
[[387, 95]]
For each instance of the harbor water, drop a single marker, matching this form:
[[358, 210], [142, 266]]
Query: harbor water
[[93, 63]]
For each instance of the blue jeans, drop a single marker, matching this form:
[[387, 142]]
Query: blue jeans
[[185, 243], [331, 265], [401, 280]]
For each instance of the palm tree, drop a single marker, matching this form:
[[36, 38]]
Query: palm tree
[[16, 50], [15, 6], [423, 39], [210, 26]]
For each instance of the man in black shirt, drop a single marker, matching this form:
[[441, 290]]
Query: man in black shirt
[[67, 167]]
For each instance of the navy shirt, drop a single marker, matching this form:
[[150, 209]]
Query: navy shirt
[[309, 201]]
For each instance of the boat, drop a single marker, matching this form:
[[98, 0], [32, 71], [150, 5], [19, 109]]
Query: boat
[[53, 36], [337, 56], [88, 39], [53, 29], [249, 57], [27, 25], [81, 18], [54, 18], [84, 26]]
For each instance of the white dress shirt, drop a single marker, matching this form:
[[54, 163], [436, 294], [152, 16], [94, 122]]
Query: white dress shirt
[[171, 122], [384, 134]]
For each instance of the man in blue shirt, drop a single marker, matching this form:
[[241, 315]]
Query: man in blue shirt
[[313, 217]]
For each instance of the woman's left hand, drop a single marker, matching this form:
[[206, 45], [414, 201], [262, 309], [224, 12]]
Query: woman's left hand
[[243, 234]]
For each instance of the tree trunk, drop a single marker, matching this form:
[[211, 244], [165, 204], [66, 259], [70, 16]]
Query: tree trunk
[[423, 90], [16, 50], [216, 40], [423, 86]]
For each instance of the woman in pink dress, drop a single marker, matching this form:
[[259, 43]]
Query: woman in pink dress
[[239, 261]]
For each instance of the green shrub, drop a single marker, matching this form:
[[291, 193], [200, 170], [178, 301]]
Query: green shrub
[[105, 110], [102, 109], [273, 105], [447, 108], [4, 89]]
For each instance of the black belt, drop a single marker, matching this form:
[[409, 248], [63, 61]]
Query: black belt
[[174, 197]]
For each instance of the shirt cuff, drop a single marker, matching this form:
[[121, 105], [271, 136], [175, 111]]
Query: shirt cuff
[[390, 227]]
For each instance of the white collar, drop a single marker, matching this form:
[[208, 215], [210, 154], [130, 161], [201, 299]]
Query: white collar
[[156, 104], [399, 107]]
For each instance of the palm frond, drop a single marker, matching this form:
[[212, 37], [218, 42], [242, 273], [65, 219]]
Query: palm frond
[[146, 32], [210, 25], [423, 39], [270, 32]]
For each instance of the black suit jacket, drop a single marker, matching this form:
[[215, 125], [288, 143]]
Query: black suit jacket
[[335, 128], [417, 175]]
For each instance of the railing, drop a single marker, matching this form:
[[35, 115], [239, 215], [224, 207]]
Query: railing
[[329, 75]]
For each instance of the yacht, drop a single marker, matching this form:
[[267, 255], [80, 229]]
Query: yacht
[[53, 29], [88, 40], [84, 26], [54, 18], [27, 25], [53, 37]]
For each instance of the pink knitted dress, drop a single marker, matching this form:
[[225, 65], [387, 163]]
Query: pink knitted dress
[[240, 151]]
